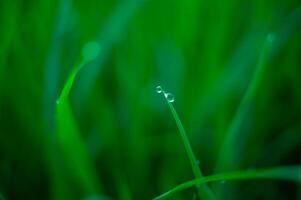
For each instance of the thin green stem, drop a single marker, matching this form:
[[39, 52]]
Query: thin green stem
[[204, 190], [69, 83], [283, 173]]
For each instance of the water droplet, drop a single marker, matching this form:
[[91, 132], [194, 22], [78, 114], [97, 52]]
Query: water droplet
[[159, 89], [169, 97], [57, 102], [223, 182], [198, 162]]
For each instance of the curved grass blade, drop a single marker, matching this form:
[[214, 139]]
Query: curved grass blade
[[271, 47], [71, 144], [109, 35], [51, 74], [283, 173]]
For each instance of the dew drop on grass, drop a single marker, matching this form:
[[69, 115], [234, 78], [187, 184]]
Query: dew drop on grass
[[57, 102], [169, 97], [159, 89], [223, 182]]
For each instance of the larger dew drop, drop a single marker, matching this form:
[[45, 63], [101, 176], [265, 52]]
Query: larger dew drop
[[169, 97], [159, 89]]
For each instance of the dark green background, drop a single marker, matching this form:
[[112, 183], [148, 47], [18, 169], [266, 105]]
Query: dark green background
[[204, 52]]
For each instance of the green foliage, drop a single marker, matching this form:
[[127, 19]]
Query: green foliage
[[81, 120]]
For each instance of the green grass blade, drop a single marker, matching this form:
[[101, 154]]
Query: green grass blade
[[227, 155], [204, 190], [283, 173], [71, 144], [194, 163]]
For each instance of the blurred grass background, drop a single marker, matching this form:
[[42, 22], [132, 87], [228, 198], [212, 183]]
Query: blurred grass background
[[123, 142]]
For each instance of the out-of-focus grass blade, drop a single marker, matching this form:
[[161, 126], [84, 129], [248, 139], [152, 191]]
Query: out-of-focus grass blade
[[240, 63], [109, 35], [227, 154], [283, 173], [53, 62], [74, 153], [238, 66]]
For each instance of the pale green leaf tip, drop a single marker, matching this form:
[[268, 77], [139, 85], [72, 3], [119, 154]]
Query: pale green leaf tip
[[90, 51]]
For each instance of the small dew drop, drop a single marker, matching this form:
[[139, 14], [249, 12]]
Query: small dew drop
[[198, 162], [57, 102], [159, 89], [223, 182], [169, 97]]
